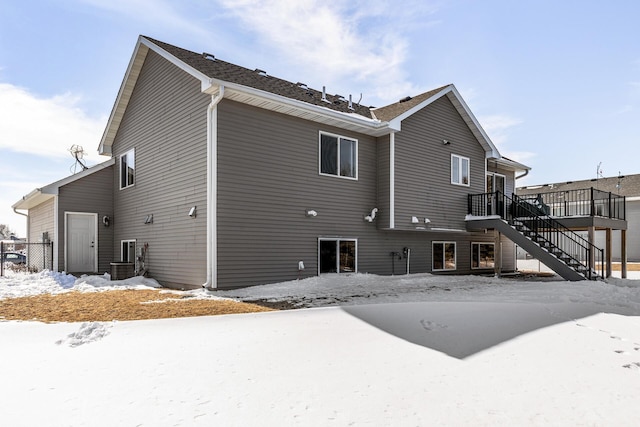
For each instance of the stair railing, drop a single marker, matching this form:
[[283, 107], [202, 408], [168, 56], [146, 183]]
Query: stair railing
[[532, 219]]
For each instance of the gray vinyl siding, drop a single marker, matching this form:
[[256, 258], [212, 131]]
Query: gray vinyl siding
[[41, 220], [423, 185], [165, 122], [268, 176], [90, 194]]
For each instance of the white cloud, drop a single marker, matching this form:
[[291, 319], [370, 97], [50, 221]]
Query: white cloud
[[497, 127], [45, 126], [361, 42], [162, 14]]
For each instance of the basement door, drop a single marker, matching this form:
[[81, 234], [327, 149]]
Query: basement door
[[81, 248]]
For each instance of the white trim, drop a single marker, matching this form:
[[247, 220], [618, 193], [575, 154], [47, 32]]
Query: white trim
[[396, 122], [124, 94], [460, 174], [212, 190], [392, 180], [56, 235], [66, 240], [494, 174], [126, 154], [494, 256], [135, 247], [41, 195], [205, 82], [338, 142], [338, 240], [455, 255], [463, 109]]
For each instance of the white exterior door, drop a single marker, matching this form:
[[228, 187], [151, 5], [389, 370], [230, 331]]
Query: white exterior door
[[81, 245]]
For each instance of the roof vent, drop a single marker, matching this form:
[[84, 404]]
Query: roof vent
[[405, 99], [209, 56], [350, 103], [324, 94], [302, 85], [261, 72]]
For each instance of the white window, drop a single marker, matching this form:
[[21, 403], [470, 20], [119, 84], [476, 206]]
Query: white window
[[338, 156], [483, 255], [459, 170], [127, 169], [128, 250], [443, 256], [337, 256]]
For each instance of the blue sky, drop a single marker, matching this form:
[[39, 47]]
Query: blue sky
[[556, 85]]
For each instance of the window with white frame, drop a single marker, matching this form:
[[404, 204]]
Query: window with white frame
[[128, 250], [483, 255], [337, 256], [127, 169], [443, 256], [338, 156], [459, 170]]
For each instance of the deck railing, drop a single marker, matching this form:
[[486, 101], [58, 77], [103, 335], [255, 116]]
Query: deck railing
[[533, 216], [584, 202]]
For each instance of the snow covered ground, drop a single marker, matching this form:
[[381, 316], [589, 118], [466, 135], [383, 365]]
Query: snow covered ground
[[401, 350]]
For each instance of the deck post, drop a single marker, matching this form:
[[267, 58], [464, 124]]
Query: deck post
[[592, 254], [623, 253], [497, 254], [608, 255]]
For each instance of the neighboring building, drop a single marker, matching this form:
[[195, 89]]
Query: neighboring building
[[627, 187], [230, 177]]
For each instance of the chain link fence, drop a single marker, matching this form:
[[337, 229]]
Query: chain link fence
[[26, 257]]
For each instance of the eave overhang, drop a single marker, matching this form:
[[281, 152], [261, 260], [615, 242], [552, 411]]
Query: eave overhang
[[463, 109], [41, 195], [233, 91]]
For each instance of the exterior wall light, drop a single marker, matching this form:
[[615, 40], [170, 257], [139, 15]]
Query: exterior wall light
[[149, 219], [310, 213], [446, 142], [414, 220], [192, 212]]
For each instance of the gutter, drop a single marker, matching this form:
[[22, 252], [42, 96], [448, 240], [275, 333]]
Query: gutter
[[525, 173], [212, 190]]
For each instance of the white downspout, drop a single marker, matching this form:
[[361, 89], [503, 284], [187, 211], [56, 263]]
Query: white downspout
[[26, 215], [392, 179], [212, 190]]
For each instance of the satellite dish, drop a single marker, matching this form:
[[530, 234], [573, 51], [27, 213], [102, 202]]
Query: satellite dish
[[77, 152]]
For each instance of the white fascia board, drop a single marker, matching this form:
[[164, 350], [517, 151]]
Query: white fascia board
[[43, 194], [511, 165], [124, 95], [492, 152], [369, 126], [204, 79], [396, 122], [32, 200]]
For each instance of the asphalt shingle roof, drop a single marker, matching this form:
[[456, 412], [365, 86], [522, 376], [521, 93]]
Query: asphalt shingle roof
[[218, 69], [228, 72], [392, 111]]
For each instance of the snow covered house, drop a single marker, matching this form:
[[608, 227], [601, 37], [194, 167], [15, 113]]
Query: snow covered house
[[232, 177]]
